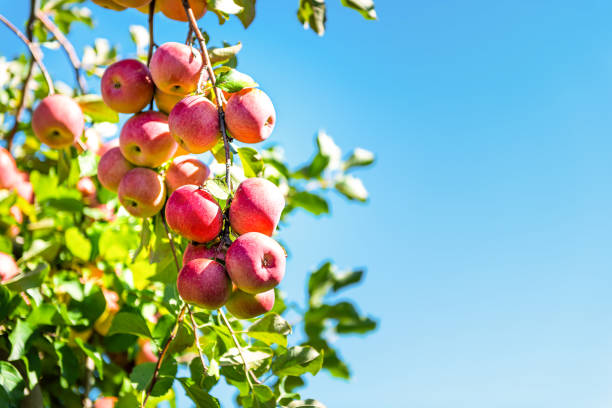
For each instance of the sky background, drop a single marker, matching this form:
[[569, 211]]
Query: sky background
[[487, 238]]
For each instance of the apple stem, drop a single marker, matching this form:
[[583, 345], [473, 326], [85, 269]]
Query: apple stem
[[34, 50], [68, 48]]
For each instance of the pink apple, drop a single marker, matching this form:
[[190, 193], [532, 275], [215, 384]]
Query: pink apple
[[174, 9], [142, 192], [165, 101], [194, 213], [112, 167], [8, 169], [58, 121], [8, 267], [127, 86], [204, 282], [145, 139], [250, 115], [88, 190], [186, 170], [256, 207], [246, 306], [194, 123], [23, 187], [201, 251], [255, 262], [175, 68]]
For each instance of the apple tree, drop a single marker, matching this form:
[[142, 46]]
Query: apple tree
[[138, 253]]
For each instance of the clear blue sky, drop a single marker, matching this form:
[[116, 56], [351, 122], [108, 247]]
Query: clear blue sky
[[489, 232]]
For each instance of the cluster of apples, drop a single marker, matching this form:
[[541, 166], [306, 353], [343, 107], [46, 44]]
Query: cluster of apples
[[172, 9]]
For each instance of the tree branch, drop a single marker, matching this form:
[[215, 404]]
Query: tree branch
[[34, 50], [151, 45], [68, 48]]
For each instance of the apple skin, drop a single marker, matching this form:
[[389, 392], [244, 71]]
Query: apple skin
[[186, 170], [204, 282], [193, 213], [200, 251], [165, 101], [145, 139], [8, 169], [132, 3], [142, 192], [103, 323], [23, 187], [176, 69], [173, 9], [255, 262], [8, 267], [194, 124], [109, 4], [247, 306], [58, 121], [127, 86], [145, 354], [250, 115], [256, 207], [112, 167], [88, 190], [106, 402]]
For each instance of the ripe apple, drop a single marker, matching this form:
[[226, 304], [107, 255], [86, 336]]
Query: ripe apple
[[106, 402], [175, 68], [145, 354], [180, 152], [246, 306], [166, 101], [200, 251], [103, 323], [58, 121], [250, 115], [142, 192], [255, 262], [127, 86], [112, 167], [132, 3], [8, 267], [194, 123], [194, 213], [23, 187], [256, 207], [109, 4], [88, 190], [186, 170], [145, 139], [174, 9], [8, 169], [204, 283]]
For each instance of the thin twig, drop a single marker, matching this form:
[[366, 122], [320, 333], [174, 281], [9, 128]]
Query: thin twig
[[34, 50], [68, 48], [151, 45], [218, 94]]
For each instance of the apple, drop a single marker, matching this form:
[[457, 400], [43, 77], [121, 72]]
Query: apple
[[88, 190], [112, 167], [194, 123], [132, 3], [174, 9], [142, 192], [250, 115], [103, 323], [194, 213], [145, 139], [145, 354], [58, 121], [175, 68], [180, 151], [23, 187], [106, 402], [93, 141], [194, 251], [255, 262], [127, 86], [8, 169], [8, 267], [256, 207], [246, 306], [109, 4], [204, 282], [166, 101], [186, 170]]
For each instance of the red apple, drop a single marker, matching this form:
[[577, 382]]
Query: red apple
[[186, 170], [250, 115], [109, 4], [204, 282], [174, 9], [194, 213], [175, 68], [8, 267], [8, 169], [88, 190], [200, 251], [106, 402], [142, 192], [255, 262], [112, 167], [145, 354], [246, 306], [132, 3], [58, 121], [256, 207], [145, 139], [127, 86], [165, 101], [194, 123]]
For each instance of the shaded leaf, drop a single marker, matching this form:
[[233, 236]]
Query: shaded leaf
[[298, 360], [129, 323]]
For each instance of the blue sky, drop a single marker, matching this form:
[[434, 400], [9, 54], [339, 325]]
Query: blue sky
[[487, 237]]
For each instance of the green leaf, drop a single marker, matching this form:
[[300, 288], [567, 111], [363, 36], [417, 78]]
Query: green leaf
[[308, 403], [263, 393], [251, 160], [63, 166], [129, 323], [217, 188], [310, 202], [233, 81], [221, 55], [364, 7], [311, 14], [6, 245], [88, 164], [143, 374], [359, 158], [270, 329], [298, 360], [11, 382], [69, 365], [32, 279], [247, 15], [18, 338], [252, 357], [360, 325], [94, 107], [352, 188], [78, 244], [201, 398], [347, 279], [224, 6], [320, 282], [91, 352], [45, 248], [145, 238]]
